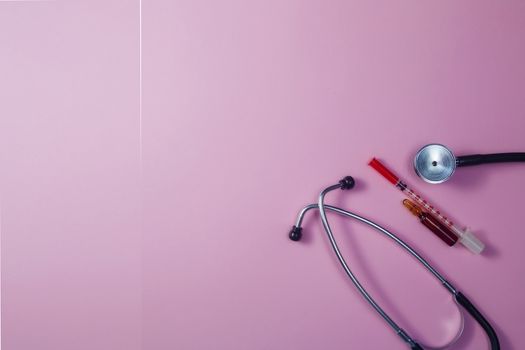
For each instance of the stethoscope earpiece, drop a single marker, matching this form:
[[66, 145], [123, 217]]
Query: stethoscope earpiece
[[347, 183], [296, 233]]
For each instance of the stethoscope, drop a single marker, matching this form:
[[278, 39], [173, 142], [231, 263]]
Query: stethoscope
[[346, 184], [435, 163]]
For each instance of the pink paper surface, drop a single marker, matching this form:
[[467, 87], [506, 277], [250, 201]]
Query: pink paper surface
[[167, 229], [71, 235]]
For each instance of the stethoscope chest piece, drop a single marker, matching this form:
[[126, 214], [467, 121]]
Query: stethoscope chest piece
[[434, 163]]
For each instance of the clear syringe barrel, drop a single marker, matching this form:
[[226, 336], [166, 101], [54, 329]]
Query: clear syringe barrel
[[465, 236], [424, 204]]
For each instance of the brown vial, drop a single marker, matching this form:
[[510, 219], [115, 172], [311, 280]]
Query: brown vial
[[432, 223]]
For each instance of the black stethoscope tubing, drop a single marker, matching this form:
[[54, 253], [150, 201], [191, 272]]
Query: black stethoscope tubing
[[477, 159]]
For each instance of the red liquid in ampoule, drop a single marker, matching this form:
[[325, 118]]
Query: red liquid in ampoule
[[432, 223]]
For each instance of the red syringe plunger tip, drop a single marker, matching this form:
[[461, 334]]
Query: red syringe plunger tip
[[380, 168]]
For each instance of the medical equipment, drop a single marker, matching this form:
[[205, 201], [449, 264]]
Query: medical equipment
[[435, 163], [430, 222], [466, 237], [346, 184]]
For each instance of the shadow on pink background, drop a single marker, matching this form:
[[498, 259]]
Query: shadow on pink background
[[169, 230]]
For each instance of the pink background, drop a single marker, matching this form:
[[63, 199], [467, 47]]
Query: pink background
[[167, 229]]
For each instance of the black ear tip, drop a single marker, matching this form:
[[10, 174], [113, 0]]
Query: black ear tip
[[296, 233], [347, 183]]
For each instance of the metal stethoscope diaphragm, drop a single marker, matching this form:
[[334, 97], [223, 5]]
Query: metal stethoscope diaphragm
[[435, 163]]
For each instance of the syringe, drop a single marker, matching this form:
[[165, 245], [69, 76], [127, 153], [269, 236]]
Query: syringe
[[466, 237]]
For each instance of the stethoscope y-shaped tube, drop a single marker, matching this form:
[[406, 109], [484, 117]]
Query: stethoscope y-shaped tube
[[348, 183]]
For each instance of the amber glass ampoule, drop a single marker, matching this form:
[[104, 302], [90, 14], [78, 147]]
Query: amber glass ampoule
[[432, 223]]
